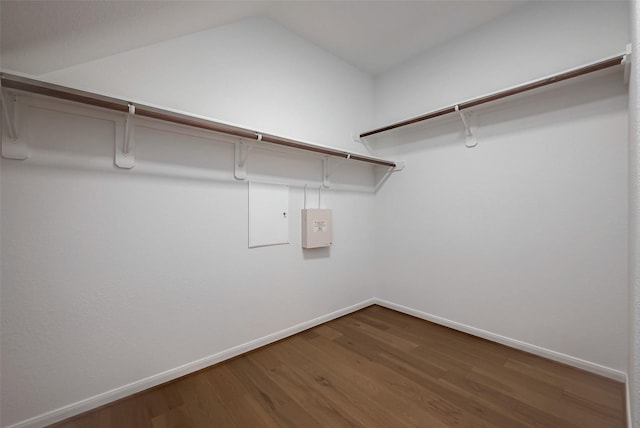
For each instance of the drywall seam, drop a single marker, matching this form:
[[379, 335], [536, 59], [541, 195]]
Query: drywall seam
[[158, 379], [513, 343]]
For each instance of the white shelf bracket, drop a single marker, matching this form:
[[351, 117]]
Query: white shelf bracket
[[14, 146], [242, 155], [356, 138], [327, 171], [326, 174], [385, 176], [471, 139], [626, 61], [125, 143], [8, 102]]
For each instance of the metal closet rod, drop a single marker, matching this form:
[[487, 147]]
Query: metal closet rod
[[590, 68], [48, 89]]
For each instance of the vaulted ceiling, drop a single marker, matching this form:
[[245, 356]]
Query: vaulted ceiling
[[42, 36]]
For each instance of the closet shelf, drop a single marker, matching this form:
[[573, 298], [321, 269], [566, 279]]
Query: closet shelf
[[25, 84], [514, 90]]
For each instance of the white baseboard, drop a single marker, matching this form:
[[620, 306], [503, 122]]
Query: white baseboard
[[135, 387], [513, 343], [65, 412]]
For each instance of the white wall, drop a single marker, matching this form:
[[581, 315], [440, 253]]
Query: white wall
[[252, 73], [533, 41], [524, 236], [633, 368], [115, 277], [118, 276]]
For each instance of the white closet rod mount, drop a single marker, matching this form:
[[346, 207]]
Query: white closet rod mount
[[48, 89], [575, 72]]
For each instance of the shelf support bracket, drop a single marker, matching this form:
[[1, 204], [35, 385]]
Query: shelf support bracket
[[242, 155], [14, 146], [384, 178], [8, 102], [471, 140], [626, 61], [125, 143], [387, 173], [357, 139], [326, 174]]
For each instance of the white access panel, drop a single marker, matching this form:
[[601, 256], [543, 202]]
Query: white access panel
[[268, 214], [317, 228]]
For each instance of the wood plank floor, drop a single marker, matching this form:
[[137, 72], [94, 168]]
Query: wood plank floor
[[375, 368]]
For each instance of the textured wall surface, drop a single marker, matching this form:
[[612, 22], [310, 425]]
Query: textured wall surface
[[524, 236], [114, 276], [117, 276]]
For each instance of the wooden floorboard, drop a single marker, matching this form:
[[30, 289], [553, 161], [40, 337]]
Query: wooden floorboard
[[375, 368]]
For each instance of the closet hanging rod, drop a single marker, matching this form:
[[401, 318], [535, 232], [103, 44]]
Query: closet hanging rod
[[575, 72], [51, 90]]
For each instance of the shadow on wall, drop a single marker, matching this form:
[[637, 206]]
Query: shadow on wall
[[68, 137], [531, 110], [316, 253]]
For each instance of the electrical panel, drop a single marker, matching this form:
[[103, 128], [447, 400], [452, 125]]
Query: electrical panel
[[317, 228]]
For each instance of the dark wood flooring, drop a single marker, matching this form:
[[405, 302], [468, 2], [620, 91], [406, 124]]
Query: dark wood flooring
[[375, 368]]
